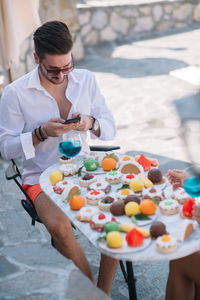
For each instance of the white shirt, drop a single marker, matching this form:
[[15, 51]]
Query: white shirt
[[25, 105]]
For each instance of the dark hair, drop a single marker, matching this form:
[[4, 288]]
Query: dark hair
[[52, 38]]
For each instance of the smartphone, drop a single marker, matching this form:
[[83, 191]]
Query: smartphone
[[73, 120]]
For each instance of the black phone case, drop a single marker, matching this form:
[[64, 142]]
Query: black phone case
[[73, 120]]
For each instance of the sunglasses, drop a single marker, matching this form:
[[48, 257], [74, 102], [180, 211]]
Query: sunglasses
[[64, 71]]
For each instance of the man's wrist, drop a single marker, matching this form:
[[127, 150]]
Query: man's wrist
[[92, 122], [96, 125]]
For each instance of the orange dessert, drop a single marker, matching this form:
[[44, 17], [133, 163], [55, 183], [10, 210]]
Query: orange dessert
[[108, 164], [76, 202], [147, 207]]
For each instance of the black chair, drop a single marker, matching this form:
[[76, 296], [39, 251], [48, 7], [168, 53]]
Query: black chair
[[13, 173]]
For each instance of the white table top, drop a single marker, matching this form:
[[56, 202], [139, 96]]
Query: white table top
[[191, 245]]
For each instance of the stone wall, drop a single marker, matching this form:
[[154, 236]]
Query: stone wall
[[102, 21]]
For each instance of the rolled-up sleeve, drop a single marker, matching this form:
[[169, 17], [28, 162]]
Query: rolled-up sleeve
[[100, 111], [13, 142]]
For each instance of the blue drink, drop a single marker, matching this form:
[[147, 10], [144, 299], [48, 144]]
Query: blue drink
[[192, 187], [70, 148]]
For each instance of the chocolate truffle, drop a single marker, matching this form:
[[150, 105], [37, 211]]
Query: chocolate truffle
[[133, 198], [155, 175], [117, 208], [157, 229]]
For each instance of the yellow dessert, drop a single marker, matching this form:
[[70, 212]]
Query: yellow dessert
[[114, 239], [136, 185], [125, 192], [131, 208], [126, 228], [147, 182], [55, 177]]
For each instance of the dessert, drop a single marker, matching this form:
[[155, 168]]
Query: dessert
[[152, 193], [144, 162], [155, 175], [98, 221], [157, 229], [111, 226], [125, 158], [86, 180], [91, 164], [133, 198], [169, 207], [60, 186], [147, 183], [147, 207], [122, 194], [180, 195], [117, 208], [55, 177], [105, 203], [100, 186], [114, 239], [185, 229], [165, 244], [66, 160], [113, 177], [127, 178], [68, 169], [94, 196], [130, 167], [136, 185], [131, 209], [187, 209], [85, 213], [127, 228], [108, 164], [134, 238], [76, 202], [154, 162], [70, 190]]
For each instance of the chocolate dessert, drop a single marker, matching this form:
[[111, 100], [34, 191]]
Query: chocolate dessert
[[133, 198], [157, 229], [155, 175], [117, 208]]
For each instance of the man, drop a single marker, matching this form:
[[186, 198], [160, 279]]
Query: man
[[32, 112]]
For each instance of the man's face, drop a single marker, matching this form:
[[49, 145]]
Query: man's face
[[56, 67]]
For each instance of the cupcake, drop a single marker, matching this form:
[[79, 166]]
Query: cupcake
[[122, 194], [126, 178], [94, 196], [87, 179], [113, 177], [104, 204], [165, 244], [169, 207]]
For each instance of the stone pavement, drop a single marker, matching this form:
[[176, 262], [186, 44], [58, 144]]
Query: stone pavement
[[135, 79]]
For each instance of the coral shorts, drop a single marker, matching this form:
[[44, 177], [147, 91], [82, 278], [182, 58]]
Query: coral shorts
[[32, 190]]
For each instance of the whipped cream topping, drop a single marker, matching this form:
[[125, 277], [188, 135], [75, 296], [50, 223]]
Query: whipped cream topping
[[171, 243], [95, 218], [95, 195], [113, 175], [87, 212], [169, 204]]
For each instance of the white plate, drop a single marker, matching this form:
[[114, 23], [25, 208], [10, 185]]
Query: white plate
[[125, 248], [127, 220], [95, 172]]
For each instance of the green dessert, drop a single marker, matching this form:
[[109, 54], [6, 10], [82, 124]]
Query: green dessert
[[91, 164], [111, 226]]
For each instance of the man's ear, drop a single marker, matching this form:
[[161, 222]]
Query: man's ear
[[36, 58]]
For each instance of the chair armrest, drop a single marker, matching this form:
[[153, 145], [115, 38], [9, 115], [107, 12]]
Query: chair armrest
[[104, 148], [11, 172]]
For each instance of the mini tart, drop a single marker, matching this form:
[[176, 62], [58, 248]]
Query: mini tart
[[131, 167], [87, 179], [122, 194], [94, 196], [105, 203], [66, 160], [100, 186], [124, 159], [85, 213], [113, 177], [126, 178], [68, 169], [60, 186], [166, 244], [169, 207], [152, 193], [98, 221], [184, 230], [180, 195]]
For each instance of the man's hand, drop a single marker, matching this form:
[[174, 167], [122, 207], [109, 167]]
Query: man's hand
[[55, 127], [176, 177], [85, 123]]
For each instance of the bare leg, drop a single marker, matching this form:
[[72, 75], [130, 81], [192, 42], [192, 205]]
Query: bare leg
[[61, 231], [184, 276], [107, 271]]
